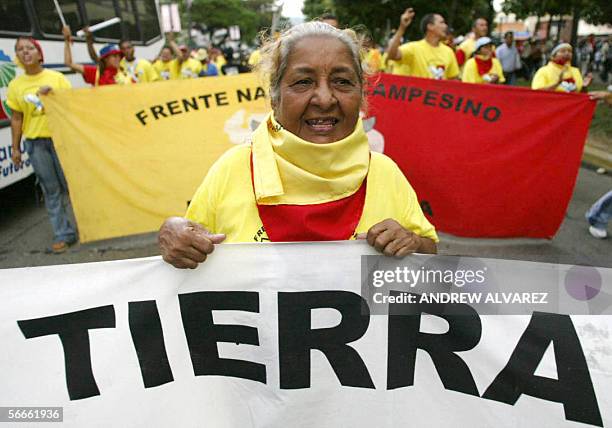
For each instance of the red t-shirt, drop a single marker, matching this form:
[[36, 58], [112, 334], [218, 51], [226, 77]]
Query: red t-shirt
[[106, 78]]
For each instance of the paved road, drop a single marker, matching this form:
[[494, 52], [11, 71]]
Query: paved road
[[25, 233]]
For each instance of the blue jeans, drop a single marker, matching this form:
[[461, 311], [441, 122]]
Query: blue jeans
[[51, 177], [601, 212], [510, 77]]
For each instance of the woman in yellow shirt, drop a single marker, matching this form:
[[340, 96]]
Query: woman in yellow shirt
[[28, 120], [308, 174], [483, 67], [559, 75]]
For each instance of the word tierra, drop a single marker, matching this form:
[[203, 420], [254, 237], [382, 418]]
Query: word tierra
[[573, 387]]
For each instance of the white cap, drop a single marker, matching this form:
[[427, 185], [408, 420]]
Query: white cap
[[483, 41]]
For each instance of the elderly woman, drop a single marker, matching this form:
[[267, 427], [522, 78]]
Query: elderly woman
[[559, 75], [308, 174], [483, 67]]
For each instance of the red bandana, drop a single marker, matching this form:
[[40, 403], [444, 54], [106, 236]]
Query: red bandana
[[560, 61], [329, 221], [484, 65], [108, 76]]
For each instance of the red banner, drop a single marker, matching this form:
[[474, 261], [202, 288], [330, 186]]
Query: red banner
[[485, 160]]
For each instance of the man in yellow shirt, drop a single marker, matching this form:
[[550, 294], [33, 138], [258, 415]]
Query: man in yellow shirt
[[183, 66], [483, 67], [559, 75], [28, 120], [140, 70], [480, 28], [429, 57], [164, 64]]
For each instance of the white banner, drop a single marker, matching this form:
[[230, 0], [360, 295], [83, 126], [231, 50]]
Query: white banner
[[277, 335]]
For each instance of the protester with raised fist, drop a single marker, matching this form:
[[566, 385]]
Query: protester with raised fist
[[183, 66], [430, 57], [108, 70]]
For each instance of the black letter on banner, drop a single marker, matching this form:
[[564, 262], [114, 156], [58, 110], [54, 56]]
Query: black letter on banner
[[148, 338], [141, 115], [464, 330], [73, 330], [494, 117], [573, 388], [296, 338], [203, 334], [379, 90]]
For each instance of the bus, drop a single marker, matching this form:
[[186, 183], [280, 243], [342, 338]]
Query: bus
[[39, 19]]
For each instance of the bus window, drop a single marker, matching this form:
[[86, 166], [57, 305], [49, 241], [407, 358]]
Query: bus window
[[13, 17], [49, 20], [101, 10], [147, 17], [128, 20]]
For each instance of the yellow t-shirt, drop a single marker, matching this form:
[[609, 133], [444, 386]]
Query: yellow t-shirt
[[468, 46], [425, 60], [22, 97], [140, 70], [225, 201], [220, 61], [188, 69], [470, 72], [254, 58], [549, 75], [164, 69], [373, 59]]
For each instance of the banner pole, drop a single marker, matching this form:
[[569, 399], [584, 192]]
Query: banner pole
[[59, 12]]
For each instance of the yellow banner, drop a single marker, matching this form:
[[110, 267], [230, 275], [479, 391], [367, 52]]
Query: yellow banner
[[134, 155]]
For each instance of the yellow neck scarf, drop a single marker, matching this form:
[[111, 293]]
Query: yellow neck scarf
[[289, 170]]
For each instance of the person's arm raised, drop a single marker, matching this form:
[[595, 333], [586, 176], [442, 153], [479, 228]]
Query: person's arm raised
[[90, 45], [405, 21], [174, 47], [68, 52], [185, 244]]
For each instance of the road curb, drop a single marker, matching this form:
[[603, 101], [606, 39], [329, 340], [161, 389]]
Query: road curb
[[597, 157]]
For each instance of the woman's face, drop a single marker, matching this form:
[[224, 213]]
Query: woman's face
[[320, 92], [27, 53], [166, 54], [486, 51], [113, 60], [563, 54]]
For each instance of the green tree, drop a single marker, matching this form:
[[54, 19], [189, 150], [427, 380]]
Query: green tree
[[379, 17], [592, 11], [249, 15], [315, 8]]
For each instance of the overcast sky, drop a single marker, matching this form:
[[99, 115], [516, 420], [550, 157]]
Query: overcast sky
[[293, 8]]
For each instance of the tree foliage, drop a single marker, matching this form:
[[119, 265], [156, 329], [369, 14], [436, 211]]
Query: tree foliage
[[252, 16], [379, 17], [315, 8], [592, 11]]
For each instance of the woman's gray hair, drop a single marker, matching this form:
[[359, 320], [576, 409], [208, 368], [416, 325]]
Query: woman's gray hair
[[275, 52]]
